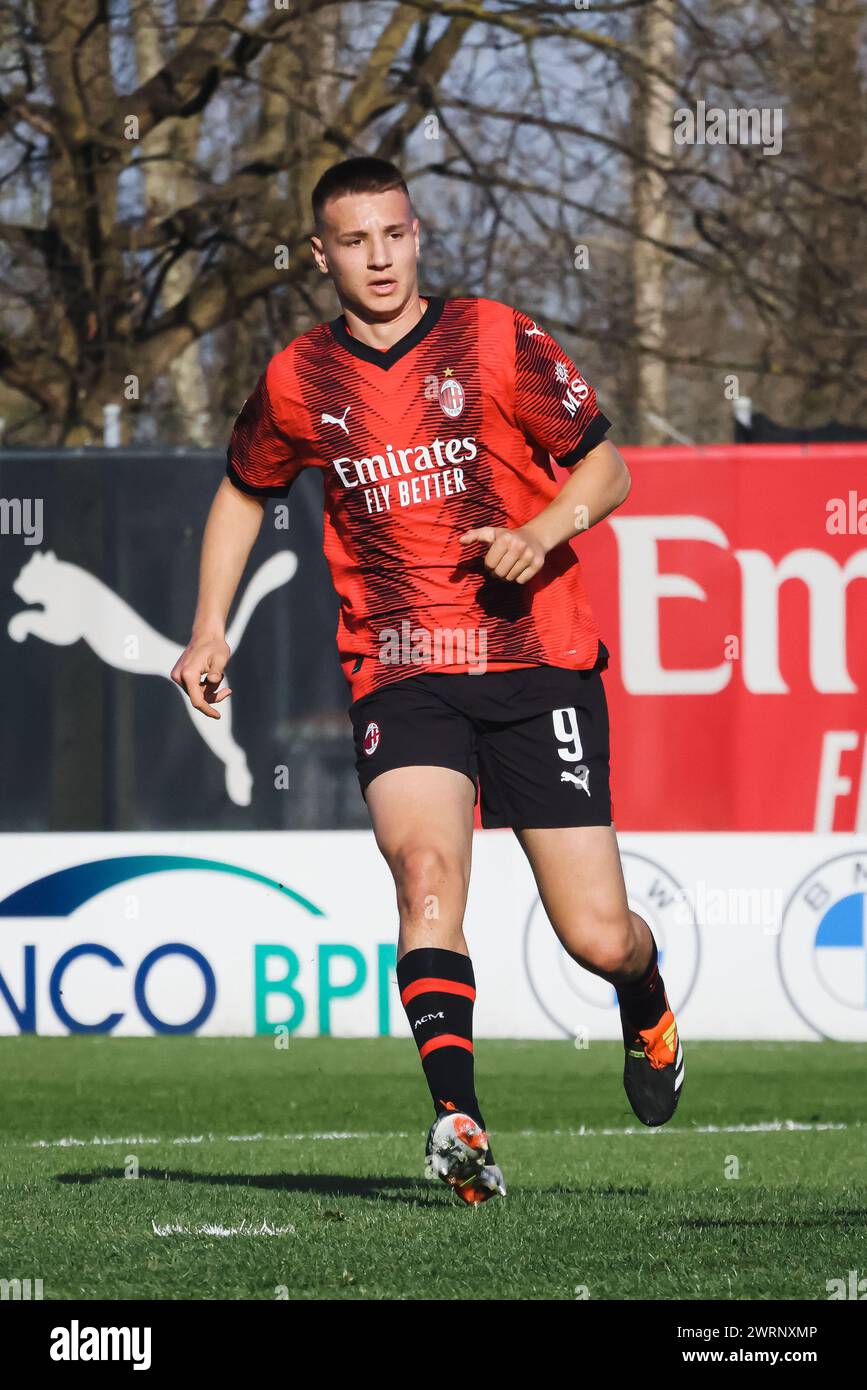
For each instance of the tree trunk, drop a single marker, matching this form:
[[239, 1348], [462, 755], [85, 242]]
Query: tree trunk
[[829, 309], [652, 108], [170, 155]]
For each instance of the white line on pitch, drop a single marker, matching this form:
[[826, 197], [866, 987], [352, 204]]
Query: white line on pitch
[[582, 1132], [245, 1229], [99, 1141]]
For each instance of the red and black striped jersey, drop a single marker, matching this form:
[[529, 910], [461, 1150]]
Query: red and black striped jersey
[[452, 428]]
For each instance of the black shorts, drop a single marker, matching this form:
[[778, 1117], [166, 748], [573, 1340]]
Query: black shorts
[[535, 740]]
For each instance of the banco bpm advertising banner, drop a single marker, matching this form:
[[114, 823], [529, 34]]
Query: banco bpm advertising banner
[[233, 934]]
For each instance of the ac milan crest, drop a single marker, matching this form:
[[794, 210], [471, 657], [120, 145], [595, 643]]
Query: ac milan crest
[[371, 738], [452, 397]]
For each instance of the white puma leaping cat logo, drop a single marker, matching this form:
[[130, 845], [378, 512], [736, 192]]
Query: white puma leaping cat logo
[[581, 776], [76, 605], [337, 419]]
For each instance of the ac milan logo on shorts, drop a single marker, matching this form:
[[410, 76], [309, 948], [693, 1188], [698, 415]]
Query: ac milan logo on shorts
[[371, 738], [452, 397]]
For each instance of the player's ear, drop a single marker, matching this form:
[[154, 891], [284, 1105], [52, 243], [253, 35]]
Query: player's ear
[[318, 253]]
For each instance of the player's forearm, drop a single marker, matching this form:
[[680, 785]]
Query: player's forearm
[[233, 524], [598, 485]]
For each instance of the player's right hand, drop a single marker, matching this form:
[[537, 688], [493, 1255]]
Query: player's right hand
[[199, 670]]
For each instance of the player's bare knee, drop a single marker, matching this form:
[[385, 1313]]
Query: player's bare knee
[[603, 943], [617, 957], [426, 877]]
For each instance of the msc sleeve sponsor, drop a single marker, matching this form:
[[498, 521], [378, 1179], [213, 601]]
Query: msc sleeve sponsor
[[554, 405]]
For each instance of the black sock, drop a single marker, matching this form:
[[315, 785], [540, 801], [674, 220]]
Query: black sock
[[438, 990], [643, 1001]]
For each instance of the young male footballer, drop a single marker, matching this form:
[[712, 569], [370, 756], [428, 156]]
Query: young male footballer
[[464, 632]]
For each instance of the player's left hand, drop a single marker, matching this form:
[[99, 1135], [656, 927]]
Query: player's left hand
[[515, 554]]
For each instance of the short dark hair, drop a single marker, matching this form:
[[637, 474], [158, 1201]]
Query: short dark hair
[[363, 174]]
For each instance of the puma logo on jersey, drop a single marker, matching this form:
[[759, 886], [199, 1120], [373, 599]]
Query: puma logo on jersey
[[581, 777], [337, 420], [535, 331]]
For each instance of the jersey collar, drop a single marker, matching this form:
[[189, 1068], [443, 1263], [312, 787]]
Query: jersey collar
[[387, 359]]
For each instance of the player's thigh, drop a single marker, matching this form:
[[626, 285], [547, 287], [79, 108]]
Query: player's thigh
[[422, 820], [417, 767], [580, 880], [423, 823]]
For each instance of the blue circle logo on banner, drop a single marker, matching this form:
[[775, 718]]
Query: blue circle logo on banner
[[822, 948]]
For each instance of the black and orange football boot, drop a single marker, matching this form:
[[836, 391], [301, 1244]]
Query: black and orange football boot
[[653, 1070]]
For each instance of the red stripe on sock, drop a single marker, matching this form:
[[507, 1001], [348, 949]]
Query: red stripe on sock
[[444, 1040], [431, 985]]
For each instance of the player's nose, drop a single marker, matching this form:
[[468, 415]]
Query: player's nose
[[380, 255]]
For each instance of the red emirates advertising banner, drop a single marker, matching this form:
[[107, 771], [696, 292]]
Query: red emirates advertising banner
[[731, 592]]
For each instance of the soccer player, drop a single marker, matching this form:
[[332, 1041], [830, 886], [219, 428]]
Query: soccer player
[[464, 632]]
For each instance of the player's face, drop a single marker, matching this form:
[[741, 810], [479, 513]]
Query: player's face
[[368, 243]]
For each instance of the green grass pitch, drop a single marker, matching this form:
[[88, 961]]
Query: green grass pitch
[[320, 1192]]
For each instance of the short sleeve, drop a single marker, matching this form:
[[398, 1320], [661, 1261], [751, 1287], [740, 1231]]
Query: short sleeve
[[262, 459], [554, 405]]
